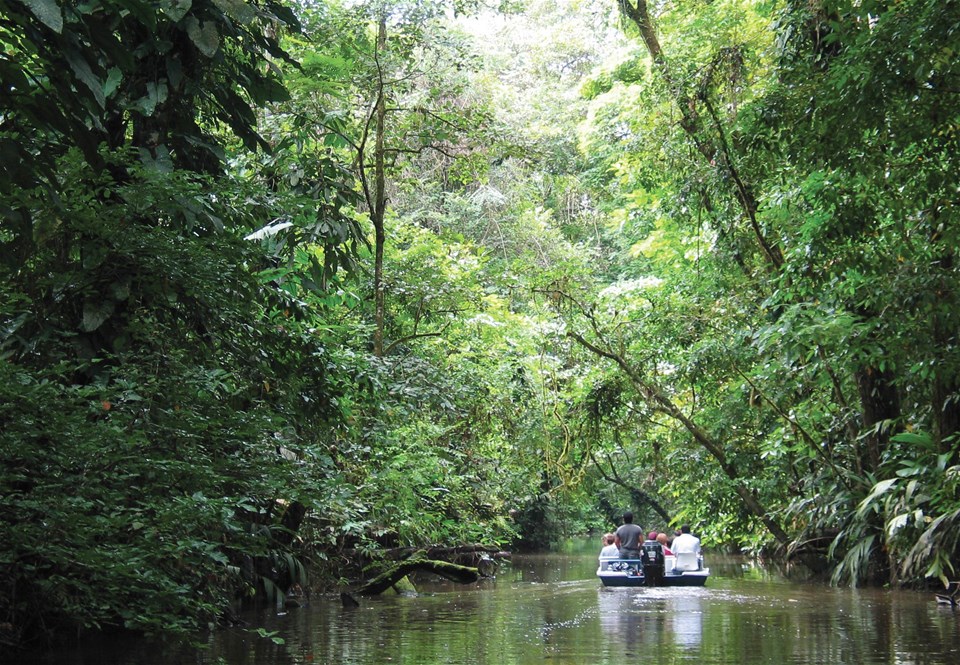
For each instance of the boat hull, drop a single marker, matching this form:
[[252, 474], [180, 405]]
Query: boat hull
[[697, 578], [629, 573]]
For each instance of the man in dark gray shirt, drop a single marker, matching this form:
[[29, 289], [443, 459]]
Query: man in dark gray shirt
[[628, 537]]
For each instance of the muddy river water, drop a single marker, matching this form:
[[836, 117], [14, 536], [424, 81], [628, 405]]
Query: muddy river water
[[551, 609]]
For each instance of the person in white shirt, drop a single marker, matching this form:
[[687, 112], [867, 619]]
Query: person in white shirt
[[609, 550], [685, 542]]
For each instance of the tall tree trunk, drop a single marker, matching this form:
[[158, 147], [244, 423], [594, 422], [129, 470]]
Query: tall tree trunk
[[945, 402], [946, 409], [379, 203], [879, 407]]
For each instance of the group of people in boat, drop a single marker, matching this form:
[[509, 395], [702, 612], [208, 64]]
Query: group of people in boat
[[631, 557], [628, 541]]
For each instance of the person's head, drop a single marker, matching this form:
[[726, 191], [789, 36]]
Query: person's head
[[662, 539], [609, 539], [628, 518], [676, 532], [685, 528], [652, 535]]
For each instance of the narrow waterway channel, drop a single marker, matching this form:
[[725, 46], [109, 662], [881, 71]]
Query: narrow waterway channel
[[551, 609]]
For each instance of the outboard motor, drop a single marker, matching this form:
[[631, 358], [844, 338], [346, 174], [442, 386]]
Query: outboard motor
[[651, 553]]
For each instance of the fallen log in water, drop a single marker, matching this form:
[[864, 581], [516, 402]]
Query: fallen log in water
[[395, 572]]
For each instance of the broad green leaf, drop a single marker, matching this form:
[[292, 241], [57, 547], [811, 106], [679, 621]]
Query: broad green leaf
[[879, 489], [114, 76], [897, 522], [148, 103], [143, 10], [81, 68], [921, 439], [120, 289], [205, 37], [237, 9], [174, 72], [175, 10], [95, 312], [48, 11]]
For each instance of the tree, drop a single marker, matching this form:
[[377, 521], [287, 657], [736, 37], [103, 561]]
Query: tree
[[150, 375], [863, 211], [817, 191], [132, 74]]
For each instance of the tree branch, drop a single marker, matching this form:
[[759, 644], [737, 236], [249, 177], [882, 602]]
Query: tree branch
[[397, 342], [665, 405], [638, 495], [747, 201]]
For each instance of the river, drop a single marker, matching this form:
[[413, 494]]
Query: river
[[551, 609]]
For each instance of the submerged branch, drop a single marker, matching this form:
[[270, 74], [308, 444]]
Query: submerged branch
[[397, 571]]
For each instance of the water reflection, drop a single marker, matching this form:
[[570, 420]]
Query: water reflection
[[776, 624], [651, 621], [552, 609], [625, 624], [686, 620]]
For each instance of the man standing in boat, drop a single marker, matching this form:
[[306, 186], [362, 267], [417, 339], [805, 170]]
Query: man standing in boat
[[628, 537]]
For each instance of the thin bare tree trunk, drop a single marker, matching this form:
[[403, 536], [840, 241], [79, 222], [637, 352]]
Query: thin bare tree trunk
[[379, 207]]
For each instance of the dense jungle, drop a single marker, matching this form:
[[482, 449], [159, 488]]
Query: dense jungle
[[286, 285]]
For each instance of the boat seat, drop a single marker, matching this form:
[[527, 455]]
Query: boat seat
[[687, 561]]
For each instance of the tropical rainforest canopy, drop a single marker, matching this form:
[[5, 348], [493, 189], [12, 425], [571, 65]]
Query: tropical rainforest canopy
[[283, 283]]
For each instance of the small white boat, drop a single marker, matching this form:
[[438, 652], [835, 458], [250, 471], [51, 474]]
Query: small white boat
[[684, 569]]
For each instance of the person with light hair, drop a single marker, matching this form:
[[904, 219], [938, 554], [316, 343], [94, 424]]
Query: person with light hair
[[609, 550], [662, 539]]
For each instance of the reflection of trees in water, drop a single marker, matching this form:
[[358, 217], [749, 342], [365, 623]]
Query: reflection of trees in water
[[618, 619]]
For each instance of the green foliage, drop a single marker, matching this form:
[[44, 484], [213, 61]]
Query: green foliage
[[154, 411], [164, 73], [156, 396], [782, 229], [431, 459], [716, 286], [918, 509]]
